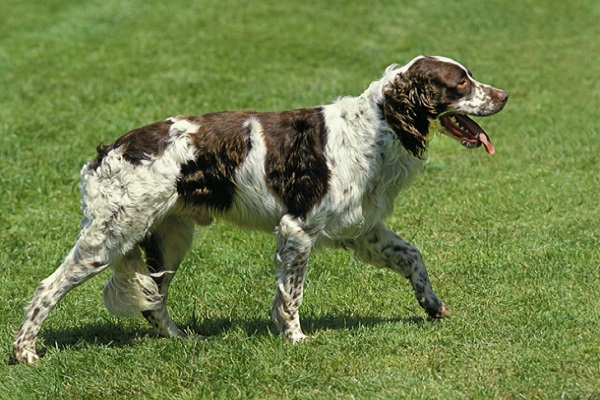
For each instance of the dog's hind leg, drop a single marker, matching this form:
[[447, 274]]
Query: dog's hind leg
[[383, 248], [79, 266], [165, 248], [110, 236]]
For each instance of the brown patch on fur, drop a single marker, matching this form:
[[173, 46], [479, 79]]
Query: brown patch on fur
[[407, 111], [222, 144], [295, 165], [444, 82], [154, 257], [421, 94], [137, 145]]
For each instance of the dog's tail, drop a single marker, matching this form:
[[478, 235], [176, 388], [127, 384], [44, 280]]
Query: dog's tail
[[131, 288]]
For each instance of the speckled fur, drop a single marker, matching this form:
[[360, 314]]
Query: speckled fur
[[324, 176]]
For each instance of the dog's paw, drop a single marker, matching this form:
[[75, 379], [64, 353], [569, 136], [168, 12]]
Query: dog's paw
[[440, 312], [26, 356], [295, 337]]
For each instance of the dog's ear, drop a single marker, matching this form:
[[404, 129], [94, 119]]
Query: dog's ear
[[407, 108]]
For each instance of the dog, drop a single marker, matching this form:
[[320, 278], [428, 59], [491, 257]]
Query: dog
[[324, 176]]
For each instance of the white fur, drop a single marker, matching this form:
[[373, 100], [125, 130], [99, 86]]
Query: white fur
[[254, 206]]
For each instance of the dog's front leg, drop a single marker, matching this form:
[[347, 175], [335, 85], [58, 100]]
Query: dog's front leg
[[294, 245], [383, 248]]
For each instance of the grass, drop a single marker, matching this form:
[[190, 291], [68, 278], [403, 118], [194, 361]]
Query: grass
[[512, 241]]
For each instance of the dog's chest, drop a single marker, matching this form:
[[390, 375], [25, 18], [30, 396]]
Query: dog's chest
[[364, 184]]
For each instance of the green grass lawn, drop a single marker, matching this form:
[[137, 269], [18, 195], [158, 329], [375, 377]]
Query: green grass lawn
[[512, 241]]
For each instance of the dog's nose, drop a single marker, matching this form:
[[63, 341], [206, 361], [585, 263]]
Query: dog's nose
[[502, 96]]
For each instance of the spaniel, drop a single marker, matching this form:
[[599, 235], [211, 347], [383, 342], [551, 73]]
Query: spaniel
[[324, 176]]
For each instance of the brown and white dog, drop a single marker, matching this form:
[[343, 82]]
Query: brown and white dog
[[326, 175]]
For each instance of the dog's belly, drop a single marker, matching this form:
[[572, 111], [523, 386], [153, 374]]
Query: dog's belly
[[263, 211], [255, 209]]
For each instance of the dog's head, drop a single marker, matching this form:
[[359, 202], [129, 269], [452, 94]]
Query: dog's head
[[438, 88]]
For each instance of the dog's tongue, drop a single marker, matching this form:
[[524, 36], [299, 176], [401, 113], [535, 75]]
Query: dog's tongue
[[483, 138], [478, 132], [466, 128]]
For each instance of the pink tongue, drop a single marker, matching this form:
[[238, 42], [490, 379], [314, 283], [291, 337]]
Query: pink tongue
[[486, 142]]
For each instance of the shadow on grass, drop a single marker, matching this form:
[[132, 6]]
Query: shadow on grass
[[107, 334], [101, 333], [313, 325], [112, 334], [310, 324]]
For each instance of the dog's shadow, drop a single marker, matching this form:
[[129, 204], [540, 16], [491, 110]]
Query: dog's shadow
[[111, 334], [108, 333], [310, 325]]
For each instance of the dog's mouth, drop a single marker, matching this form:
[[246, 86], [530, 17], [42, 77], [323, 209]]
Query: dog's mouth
[[466, 131]]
